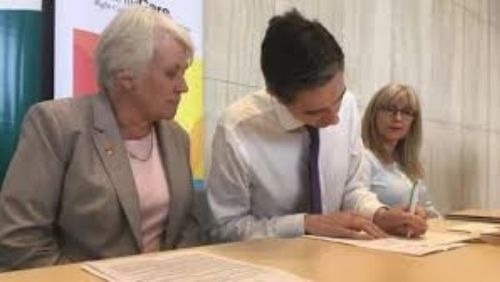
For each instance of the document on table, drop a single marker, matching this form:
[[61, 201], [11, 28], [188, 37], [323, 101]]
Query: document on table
[[490, 215], [431, 242], [184, 266], [476, 228]]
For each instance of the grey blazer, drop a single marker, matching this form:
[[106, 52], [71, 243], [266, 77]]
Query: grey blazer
[[69, 193]]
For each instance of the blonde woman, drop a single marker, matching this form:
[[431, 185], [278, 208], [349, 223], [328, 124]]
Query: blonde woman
[[392, 134]]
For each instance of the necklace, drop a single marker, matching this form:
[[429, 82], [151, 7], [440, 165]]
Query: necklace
[[149, 150]]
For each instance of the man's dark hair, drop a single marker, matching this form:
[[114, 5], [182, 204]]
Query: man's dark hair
[[298, 54]]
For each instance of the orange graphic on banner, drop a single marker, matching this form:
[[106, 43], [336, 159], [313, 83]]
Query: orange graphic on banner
[[84, 44]]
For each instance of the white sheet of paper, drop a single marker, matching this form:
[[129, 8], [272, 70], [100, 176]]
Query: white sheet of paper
[[476, 227], [431, 242], [184, 266]]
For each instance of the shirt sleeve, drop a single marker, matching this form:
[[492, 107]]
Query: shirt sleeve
[[229, 188], [29, 198], [357, 195]]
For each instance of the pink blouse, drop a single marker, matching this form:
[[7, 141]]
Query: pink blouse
[[152, 189]]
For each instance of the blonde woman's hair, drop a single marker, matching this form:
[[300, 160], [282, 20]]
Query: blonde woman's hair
[[128, 42], [407, 150]]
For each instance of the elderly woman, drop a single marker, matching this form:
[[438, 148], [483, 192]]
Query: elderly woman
[[106, 175], [392, 134]]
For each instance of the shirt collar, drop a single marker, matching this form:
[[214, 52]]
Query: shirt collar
[[285, 118]]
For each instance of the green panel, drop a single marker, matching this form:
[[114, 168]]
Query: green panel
[[20, 65]]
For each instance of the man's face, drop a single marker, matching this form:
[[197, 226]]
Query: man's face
[[157, 92], [319, 106]]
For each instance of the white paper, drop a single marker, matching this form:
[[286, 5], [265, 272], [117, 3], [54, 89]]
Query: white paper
[[476, 228], [184, 266], [431, 242]]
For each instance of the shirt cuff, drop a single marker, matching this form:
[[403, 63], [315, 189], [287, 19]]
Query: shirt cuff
[[290, 226], [369, 210]]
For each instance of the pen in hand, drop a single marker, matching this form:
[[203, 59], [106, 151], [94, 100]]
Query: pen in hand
[[412, 206]]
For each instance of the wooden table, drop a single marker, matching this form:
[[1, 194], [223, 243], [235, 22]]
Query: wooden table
[[326, 261]]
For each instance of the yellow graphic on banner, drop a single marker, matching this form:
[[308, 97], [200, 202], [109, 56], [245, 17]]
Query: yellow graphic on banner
[[190, 116]]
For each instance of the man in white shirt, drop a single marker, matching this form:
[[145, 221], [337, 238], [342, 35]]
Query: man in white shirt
[[262, 182]]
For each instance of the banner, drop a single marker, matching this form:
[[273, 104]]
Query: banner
[[77, 28], [20, 70]]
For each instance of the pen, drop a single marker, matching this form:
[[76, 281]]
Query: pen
[[412, 206]]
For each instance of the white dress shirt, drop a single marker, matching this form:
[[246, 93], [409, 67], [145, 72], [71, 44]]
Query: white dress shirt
[[258, 181]]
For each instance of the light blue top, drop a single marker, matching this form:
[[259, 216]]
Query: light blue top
[[393, 187]]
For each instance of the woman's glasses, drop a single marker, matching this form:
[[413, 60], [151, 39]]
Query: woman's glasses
[[405, 113]]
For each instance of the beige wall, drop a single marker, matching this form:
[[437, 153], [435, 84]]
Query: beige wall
[[448, 49]]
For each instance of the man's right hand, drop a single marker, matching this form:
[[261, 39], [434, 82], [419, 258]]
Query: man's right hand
[[342, 224], [399, 221]]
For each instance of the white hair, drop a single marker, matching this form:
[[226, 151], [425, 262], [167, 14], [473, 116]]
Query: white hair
[[128, 42]]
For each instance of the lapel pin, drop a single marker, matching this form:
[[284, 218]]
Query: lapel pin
[[108, 148]]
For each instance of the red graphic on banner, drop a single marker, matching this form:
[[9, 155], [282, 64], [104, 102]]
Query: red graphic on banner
[[84, 43]]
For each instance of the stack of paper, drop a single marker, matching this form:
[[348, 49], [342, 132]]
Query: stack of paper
[[488, 232], [431, 242], [492, 215], [184, 266], [476, 228]]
